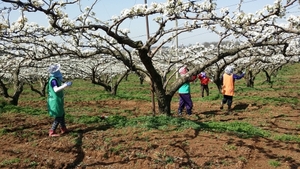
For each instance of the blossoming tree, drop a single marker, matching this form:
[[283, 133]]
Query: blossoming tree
[[86, 35]]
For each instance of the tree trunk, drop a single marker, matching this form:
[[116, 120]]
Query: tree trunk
[[18, 87], [250, 79], [15, 98], [218, 83], [141, 77], [164, 103], [42, 88], [217, 78], [114, 88], [267, 76], [163, 100], [97, 80], [4, 89], [268, 80]]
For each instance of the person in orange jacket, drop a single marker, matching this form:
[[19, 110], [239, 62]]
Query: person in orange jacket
[[228, 79], [204, 80]]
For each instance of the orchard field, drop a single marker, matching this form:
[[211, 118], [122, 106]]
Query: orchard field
[[261, 132]]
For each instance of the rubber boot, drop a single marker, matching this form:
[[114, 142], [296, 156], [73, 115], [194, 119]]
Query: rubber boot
[[229, 107], [64, 130], [221, 107], [179, 112], [52, 133], [189, 112]]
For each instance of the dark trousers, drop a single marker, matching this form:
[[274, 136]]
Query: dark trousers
[[185, 100], [204, 88], [58, 121], [227, 99]]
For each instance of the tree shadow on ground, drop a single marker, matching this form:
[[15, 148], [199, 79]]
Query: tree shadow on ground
[[278, 124], [210, 113], [240, 106], [278, 157], [80, 155]]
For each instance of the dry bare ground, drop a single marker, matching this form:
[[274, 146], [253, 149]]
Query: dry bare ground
[[26, 143]]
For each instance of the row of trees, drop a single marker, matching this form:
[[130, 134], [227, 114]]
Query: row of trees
[[104, 53]]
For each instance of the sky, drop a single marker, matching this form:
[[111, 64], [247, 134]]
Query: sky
[[105, 9], [108, 8]]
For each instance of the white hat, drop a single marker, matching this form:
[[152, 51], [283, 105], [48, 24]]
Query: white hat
[[55, 72], [229, 70], [203, 74], [54, 68]]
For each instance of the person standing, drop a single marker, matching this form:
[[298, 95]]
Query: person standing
[[228, 80], [55, 101], [204, 80], [184, 91]]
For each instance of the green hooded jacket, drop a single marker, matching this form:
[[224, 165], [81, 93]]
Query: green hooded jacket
[[55, 100]]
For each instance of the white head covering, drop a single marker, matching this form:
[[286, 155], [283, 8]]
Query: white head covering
[[203, 74], [54, 71], [54, 68], [229, 70]]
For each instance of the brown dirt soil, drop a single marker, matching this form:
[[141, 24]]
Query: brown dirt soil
[[27, 145]]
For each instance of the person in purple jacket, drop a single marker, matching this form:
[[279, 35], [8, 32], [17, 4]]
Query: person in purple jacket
[[55, 100]]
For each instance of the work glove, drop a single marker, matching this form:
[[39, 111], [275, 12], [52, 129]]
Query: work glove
[[68, 83], [244, 71]]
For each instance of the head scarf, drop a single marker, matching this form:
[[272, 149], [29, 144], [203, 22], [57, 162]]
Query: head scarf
[[55, 72], [183, 70], [229, 70], [203, 74]]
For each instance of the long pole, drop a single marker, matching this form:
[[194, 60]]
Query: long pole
[[147, 23], [176, 38], [152, 85]]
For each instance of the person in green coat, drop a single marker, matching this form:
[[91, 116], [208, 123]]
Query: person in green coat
[[55, 100]]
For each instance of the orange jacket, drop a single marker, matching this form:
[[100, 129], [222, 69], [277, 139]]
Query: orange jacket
[[228, 85]]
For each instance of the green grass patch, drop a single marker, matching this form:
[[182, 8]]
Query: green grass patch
[[26, 110], [9, 162], [274, 163], [286, 137]]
